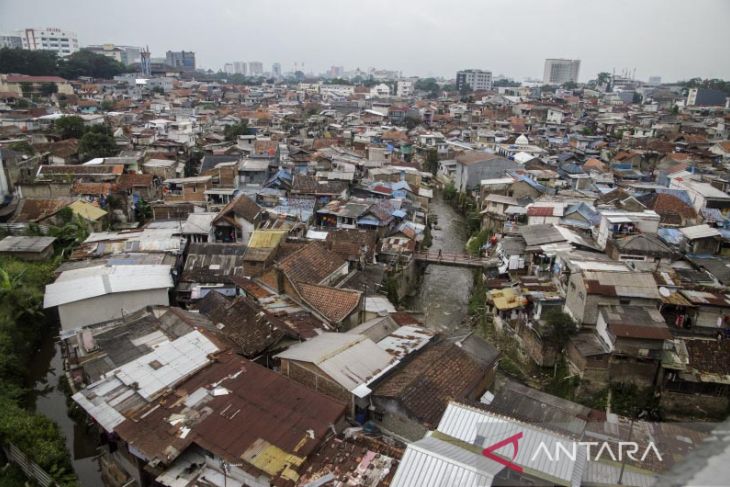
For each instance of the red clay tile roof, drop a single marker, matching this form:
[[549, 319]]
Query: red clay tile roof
[[426, 384], [709, 356], [129, 181], [33, 210], [667, 204], [311, 264], [540, 211], [304, 184], [332, 303], [243, 207], [91, 188]]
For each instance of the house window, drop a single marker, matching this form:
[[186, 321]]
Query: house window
[[624, 301]]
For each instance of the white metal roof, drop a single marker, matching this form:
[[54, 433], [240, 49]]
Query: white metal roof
[[700, 231], [483, 429], [142, 379], [79, 284], [198, 223], [433, 462], [405, 340], [350, 360]]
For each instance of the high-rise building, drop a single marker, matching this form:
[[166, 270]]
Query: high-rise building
[[476, 79], [50, 39], [404, 87], [336, 72], [276, 70], [256, 68], [239, 67], [228, 68], [655, 80], [11, 41], [185, 60], [559, 71]]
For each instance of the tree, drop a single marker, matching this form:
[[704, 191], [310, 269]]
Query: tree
[[432, 161], [560, 327], [34, 63], [506, 83], [47, 89], [570, 85], [603, 78], [97, 144], [87, 63], [231, 132], [23, 147], [71, 127], [107, 105]]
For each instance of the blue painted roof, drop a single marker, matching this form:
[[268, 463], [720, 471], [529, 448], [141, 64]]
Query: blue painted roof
[[671, 236]]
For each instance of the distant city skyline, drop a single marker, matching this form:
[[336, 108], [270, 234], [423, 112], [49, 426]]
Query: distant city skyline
[[500, 36]]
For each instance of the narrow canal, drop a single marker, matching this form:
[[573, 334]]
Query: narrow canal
[[45, 372], [443, 296]]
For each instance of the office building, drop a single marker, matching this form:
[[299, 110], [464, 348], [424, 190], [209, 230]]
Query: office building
[[184, 60], [559, 71], [404, 87], [706, 97], [475, 79], [54, 39], [228, 68], [336, 72], [276, 70], [239, 67], [11, 41], [655, 80], [256, 68]]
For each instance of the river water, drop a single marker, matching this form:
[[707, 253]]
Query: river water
[[45, 371], [443, 295]]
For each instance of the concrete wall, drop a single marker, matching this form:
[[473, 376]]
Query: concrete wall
[[108, 307]]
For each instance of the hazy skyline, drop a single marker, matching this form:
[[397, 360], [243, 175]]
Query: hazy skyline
[[673, 39]]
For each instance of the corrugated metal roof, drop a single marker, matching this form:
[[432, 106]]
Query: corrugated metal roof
[[25, 244], [483, 429], [139, 381], [79, 284], [433, 462]]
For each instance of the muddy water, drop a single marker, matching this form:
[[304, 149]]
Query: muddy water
[[44, 372], [444, 292]]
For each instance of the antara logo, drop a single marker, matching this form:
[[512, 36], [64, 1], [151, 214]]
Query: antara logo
[[595, 451], [514, 441]]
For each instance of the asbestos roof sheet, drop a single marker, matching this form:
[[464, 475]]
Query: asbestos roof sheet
[[700, 231], [79, 284], [349, 359], [25, 244], [624, 284]]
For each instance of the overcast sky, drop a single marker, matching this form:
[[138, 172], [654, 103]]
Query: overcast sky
[[675, 39]]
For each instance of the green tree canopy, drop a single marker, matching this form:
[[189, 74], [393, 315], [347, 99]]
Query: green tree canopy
[[232, 132], [47, 63], [71, 127], [87, 63], [34, 63], [97, 144]]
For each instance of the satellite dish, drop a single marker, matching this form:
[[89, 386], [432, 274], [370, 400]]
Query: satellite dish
[[665, 292]]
